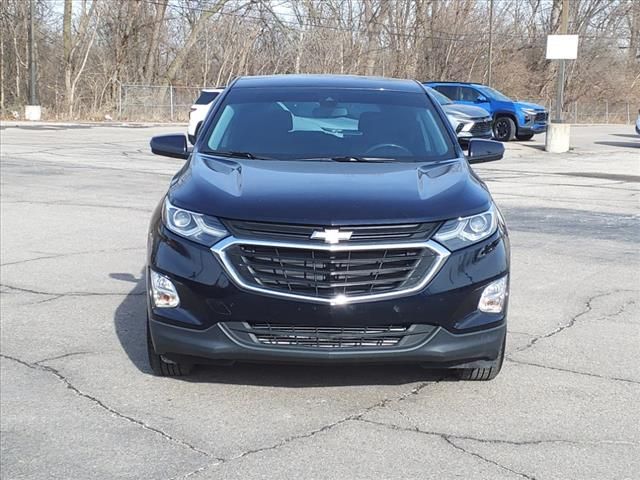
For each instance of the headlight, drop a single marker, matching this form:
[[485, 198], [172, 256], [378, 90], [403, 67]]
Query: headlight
[[462, 232], [200, 228], [529, 113], [457, 122]]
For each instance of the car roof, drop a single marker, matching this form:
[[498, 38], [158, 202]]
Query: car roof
[[329, 81], [455, 83], [217, 89]]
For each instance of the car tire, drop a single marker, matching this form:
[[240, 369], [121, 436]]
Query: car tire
[[504, 129], [483, 374], [162, 367], [524, 136]]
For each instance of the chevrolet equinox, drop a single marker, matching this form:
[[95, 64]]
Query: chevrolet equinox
[[327, 219]]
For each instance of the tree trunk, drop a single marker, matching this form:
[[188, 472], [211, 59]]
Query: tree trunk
[[150, 73], [634, 35], [67, 51], [2, 73], [181, 56]]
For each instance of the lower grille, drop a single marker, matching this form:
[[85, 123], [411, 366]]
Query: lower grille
[[327, 337], [542, 116], [329, 274], [480, 128]]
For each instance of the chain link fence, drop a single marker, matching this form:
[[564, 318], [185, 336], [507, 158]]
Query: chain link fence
[[162, 103], [156, 103], [592, 112]]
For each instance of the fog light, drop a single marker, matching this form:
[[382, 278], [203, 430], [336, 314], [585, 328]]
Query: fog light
[[163, 292], [493, 296]]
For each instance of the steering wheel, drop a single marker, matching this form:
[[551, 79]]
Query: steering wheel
[[380, 146]]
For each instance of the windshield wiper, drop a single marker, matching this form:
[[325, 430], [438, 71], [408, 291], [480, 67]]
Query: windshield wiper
[[352, 158], [232, 154]]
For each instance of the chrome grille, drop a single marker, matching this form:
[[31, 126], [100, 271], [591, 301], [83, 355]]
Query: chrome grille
[[360, 233], [327, 274], [327, 337]]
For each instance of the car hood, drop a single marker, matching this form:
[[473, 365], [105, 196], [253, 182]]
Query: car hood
[[328, 193], [533, 106], [460, 110]]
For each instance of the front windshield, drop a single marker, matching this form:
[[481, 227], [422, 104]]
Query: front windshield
[[495, 94], [440, 97], [328, 123]]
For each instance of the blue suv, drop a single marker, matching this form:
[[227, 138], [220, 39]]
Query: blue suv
[[511, 119]]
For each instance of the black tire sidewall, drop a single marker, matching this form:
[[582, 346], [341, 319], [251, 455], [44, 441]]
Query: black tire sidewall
[[511, 129], [524, 137]]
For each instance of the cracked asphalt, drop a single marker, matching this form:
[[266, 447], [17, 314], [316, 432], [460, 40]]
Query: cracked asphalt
[[78, 401]]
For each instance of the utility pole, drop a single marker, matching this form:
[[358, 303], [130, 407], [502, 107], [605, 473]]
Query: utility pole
[[564, 25], [32, 110], [33, 97], [560, 46], [490, 42]]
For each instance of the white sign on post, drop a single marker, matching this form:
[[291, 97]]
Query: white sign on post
[[562, 47]]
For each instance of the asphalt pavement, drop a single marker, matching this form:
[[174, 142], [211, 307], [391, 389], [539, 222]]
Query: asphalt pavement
[[77, 400]]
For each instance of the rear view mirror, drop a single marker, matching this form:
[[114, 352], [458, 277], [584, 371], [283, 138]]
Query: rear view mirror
[[481, 151], [174, 146], [481, 99]]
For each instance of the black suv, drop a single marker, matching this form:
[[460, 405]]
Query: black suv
[[327, 219]]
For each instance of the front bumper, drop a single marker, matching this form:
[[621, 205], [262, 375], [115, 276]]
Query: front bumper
[[535, 129], [218, 343], [466, 136], [210, 301]]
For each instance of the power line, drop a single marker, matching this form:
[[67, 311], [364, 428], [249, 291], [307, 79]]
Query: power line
[[442, 35]]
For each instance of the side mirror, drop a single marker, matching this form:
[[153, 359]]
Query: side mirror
[[174, 146], [481, 99], [481, 151]]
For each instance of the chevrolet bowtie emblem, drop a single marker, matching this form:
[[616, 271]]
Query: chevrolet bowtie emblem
[[331, 235]]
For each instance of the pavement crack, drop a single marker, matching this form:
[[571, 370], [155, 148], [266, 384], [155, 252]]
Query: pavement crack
[[577, 372], [67, 294], [449, 439], [588, 307], [96, 401], [17, 360], [75, 204], [293, 438], [487, 460], [70, 254], [58, 357], [349, 418], [495, 441]]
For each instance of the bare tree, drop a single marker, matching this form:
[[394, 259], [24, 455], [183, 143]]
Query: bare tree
[[87, 50], [77, 47]]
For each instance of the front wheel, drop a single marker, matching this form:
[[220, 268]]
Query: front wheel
[[162, 367], [524, 136], [484, 374], [504, 129]]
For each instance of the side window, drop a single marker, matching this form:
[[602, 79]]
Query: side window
[[433, 134], [206, 98], [218, 137], [469, 94], [450, 91]]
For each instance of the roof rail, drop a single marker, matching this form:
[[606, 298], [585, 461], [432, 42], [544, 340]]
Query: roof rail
[[462, 83]]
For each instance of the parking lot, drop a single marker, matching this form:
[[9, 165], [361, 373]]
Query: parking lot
[[78, 400]]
